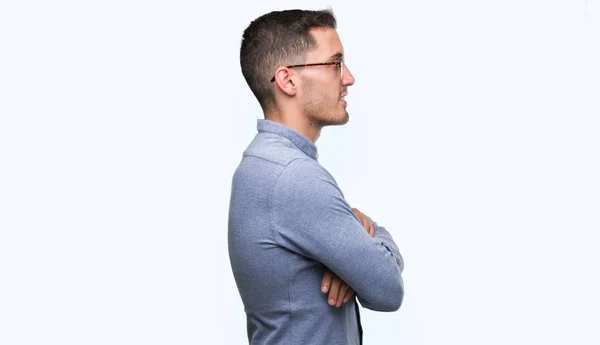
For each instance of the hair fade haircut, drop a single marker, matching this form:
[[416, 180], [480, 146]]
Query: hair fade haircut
[[275, 39]]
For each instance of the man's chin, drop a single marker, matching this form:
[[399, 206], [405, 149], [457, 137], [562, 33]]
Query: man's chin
[[346, 118], [340, 120], [337, 120]]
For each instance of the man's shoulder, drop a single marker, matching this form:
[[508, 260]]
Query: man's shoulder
[[274, 159], [274, 149], [282, 169], [305, 179]]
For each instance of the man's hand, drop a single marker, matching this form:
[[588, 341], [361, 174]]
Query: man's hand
[[339, 291], [365, 222]]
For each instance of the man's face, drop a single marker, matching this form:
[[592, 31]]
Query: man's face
[[322, 88]]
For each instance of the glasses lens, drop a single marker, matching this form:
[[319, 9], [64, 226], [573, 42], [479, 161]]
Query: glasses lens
[[342, 69]]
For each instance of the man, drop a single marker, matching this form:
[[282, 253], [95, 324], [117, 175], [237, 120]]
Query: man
[[298, 251]]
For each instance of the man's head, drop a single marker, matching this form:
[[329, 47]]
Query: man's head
[[293, 60]]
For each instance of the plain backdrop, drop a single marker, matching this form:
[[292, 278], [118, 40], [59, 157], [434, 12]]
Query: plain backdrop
[[473, 138]]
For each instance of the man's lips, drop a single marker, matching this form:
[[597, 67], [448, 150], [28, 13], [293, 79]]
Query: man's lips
[[342, 98]]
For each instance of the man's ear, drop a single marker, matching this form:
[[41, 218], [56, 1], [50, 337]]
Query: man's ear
[[284, 81]]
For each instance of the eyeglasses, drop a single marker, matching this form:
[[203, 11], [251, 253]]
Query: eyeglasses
[[338, 64]]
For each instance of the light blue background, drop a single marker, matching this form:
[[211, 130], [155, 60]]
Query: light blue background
[[473, 138]]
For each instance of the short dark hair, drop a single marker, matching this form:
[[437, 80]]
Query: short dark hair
[[275, 39]]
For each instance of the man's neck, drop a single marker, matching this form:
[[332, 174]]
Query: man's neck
[[297, 123]]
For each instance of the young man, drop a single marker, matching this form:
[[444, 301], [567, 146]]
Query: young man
[[298, 251]]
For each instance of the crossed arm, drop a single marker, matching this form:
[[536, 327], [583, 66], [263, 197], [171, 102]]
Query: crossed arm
[[339, 291], [312, 218]]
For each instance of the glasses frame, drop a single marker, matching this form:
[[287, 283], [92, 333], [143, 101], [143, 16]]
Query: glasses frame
[[340, 65]]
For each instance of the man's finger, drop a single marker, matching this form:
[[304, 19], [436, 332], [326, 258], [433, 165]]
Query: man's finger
[[340, 297], [349, 295], [371, 229], [326, 282], [358, 215], [365, 223], [334, 290]]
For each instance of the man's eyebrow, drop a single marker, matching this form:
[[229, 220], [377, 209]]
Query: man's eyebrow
[[337, 57]]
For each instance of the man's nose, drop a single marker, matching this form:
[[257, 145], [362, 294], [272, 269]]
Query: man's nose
[[348, 78]]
